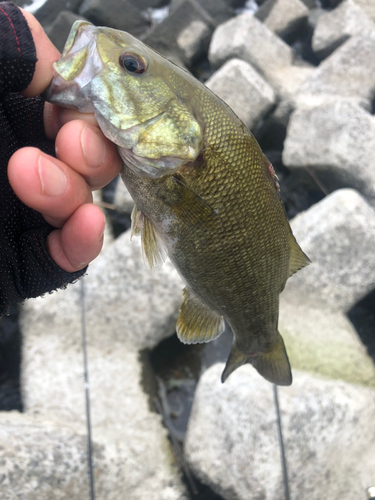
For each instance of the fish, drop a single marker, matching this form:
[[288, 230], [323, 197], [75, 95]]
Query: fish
[[204, 192]]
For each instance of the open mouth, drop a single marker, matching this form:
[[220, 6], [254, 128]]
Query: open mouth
[[75, 70]]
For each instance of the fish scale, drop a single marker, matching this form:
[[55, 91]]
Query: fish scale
[[204, 192], [235, 192]]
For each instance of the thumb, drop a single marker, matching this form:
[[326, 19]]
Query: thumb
[[46, 54]]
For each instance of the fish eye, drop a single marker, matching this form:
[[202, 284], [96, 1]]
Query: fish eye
[[134, 63]]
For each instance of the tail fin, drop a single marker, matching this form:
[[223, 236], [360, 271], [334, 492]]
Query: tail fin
[[236, 359], [273, 366]]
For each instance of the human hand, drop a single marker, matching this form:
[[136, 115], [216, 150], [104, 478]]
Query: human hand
[[60, 189]]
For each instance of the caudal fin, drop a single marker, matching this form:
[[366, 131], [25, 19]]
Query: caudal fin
[[236, 359], [273, 366]]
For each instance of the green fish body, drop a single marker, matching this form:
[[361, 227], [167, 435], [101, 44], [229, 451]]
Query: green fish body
[[204, 192]]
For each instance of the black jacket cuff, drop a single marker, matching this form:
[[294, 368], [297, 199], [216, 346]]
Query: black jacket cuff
[[17, 50]]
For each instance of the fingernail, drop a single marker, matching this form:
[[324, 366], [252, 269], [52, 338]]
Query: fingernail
[[93, 147], [81, 265], [52, 178]]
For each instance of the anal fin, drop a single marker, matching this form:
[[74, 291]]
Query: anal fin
[[153, 250], [197, 323]]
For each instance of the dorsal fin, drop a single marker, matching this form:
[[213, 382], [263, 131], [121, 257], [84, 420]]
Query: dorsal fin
[[271, 170], [298, 259]]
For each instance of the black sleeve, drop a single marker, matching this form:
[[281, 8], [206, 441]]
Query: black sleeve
[[26, 269]]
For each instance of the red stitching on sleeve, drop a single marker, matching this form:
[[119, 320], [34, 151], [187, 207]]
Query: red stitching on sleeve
[[13, 29]]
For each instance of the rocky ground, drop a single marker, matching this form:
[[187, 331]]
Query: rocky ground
[[301, 75]]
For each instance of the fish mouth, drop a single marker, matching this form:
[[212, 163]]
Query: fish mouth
[[81, 81], [74, 71], [64, 94]]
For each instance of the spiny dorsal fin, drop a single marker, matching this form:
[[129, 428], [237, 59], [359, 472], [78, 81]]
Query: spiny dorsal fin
[[271, 170], [152, 248], [298, 259], [274, 365], [197, 323]]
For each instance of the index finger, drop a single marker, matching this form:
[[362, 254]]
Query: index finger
[[54, 117]]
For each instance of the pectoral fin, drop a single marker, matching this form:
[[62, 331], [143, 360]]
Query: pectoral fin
[[153, 250], [194, 209], [197, 323], [136, 218]]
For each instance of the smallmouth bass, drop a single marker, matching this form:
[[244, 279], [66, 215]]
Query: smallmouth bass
[[204, 192]]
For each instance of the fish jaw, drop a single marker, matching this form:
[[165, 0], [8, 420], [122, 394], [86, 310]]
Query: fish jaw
[[150, 167], [73, 73]]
